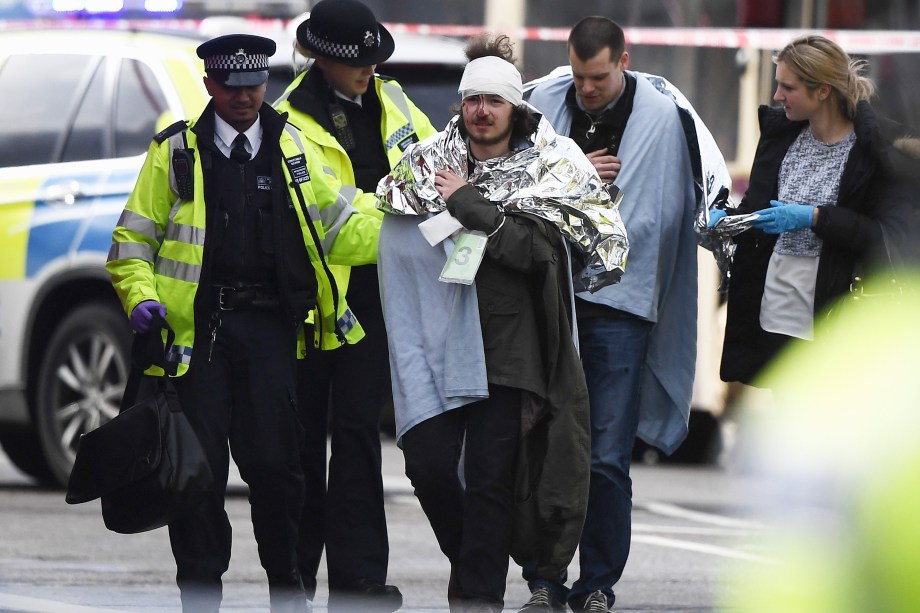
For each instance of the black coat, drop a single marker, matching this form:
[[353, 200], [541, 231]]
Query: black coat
[[873, 195], [524, 304]]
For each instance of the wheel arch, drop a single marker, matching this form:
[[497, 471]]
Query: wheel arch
[[62, 294]]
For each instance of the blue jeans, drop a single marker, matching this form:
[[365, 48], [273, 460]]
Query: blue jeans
[[613, 353]]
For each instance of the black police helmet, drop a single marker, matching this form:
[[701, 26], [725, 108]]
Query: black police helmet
[[347, 32], [237, 60]]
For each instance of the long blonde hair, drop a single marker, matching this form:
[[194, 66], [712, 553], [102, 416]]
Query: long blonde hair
[[817, 60]]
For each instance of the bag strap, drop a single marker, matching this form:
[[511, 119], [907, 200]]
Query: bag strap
[[136, 374]]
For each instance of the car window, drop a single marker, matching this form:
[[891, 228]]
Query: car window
[[85, 141], [38, 92], [139, 102]]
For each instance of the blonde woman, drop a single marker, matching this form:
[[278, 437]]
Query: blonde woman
[[829, 197]]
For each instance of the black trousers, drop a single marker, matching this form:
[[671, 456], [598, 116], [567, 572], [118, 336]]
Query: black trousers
[[471, 518], [245, 396], [342, 392]]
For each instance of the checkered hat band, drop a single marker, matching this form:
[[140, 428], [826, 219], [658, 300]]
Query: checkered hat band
[[237, 62], [334, 50]]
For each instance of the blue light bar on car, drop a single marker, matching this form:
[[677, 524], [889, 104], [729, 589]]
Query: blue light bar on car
[[105, 7]]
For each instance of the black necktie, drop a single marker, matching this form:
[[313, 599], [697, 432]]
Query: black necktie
[[238, 152]]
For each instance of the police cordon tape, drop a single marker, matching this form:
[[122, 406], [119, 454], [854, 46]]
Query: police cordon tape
[[854, 41]]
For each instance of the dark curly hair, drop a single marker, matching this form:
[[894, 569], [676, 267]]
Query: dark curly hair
[[486, 44]]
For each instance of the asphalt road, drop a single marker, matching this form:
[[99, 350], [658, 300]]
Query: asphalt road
[[691, 525]]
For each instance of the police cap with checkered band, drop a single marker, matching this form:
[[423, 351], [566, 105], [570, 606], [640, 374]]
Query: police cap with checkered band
[[237, 60], [347, 32]]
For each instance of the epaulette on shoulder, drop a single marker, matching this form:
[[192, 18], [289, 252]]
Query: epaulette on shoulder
[[384, 77], [293, 125], [170, 130]]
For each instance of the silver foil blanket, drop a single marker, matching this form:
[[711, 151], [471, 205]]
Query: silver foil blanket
[[551, 179]]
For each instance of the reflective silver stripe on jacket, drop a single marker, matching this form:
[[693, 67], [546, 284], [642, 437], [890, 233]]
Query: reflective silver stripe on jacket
[[131, 251], [182, 233], [349, 192], [334, 217], [135, 222], [141, 225], [180, 271], [294, 133], [398, 96]]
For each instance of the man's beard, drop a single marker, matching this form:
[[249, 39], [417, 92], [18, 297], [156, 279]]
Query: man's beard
[[486, 142]]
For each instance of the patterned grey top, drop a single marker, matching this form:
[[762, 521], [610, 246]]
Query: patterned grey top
[[810, 174]]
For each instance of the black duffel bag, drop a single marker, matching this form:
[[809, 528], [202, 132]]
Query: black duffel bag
[[147, 463]]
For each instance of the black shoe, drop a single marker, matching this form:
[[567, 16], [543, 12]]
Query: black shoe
[[366, 595]]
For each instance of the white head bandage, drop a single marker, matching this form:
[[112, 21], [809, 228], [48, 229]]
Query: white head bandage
[[492, 75]]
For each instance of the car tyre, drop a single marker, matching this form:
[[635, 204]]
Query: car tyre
[[24, 450], [81, 381]]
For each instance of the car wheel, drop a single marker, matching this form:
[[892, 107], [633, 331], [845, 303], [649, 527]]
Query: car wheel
[[81, 381], [24, 450]]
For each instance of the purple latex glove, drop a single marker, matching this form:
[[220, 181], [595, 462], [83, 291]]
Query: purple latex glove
[[142, 315], [784, 217]]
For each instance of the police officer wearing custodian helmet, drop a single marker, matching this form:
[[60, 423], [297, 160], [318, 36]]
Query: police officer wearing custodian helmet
[[223, 236], [361, 122]]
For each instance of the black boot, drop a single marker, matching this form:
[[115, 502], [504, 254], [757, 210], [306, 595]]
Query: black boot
[[365, 596]]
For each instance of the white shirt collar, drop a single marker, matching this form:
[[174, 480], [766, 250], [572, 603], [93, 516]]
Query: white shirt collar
[[224, 134], [355, 100]]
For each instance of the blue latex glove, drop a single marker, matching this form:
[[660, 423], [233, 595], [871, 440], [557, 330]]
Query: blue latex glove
[[714, 216], [142, 315], [784, 217]]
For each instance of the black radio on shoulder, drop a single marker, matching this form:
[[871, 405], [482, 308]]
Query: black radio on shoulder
[[183, 162]]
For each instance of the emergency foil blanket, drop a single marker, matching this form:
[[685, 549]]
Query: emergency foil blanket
[[551, 179]]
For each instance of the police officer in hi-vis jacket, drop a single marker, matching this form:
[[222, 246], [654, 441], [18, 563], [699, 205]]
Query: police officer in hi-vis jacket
[[229, 234], [361, 122]]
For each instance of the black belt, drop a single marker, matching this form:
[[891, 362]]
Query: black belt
[[586, 310], [251, 297]]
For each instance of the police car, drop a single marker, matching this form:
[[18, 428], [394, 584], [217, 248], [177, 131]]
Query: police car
[[78, 112]]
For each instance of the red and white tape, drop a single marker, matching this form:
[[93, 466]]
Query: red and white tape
[[854, 41]]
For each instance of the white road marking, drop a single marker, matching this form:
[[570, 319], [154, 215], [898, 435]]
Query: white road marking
[[670, 510], [38, 605], [724, 552]]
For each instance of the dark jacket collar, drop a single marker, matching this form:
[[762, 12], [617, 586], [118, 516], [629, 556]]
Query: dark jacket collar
[[314, 94], [773, 122]]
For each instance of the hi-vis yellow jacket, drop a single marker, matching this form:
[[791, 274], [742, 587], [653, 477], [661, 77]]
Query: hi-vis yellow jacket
[[159, 242], [402, 123]]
